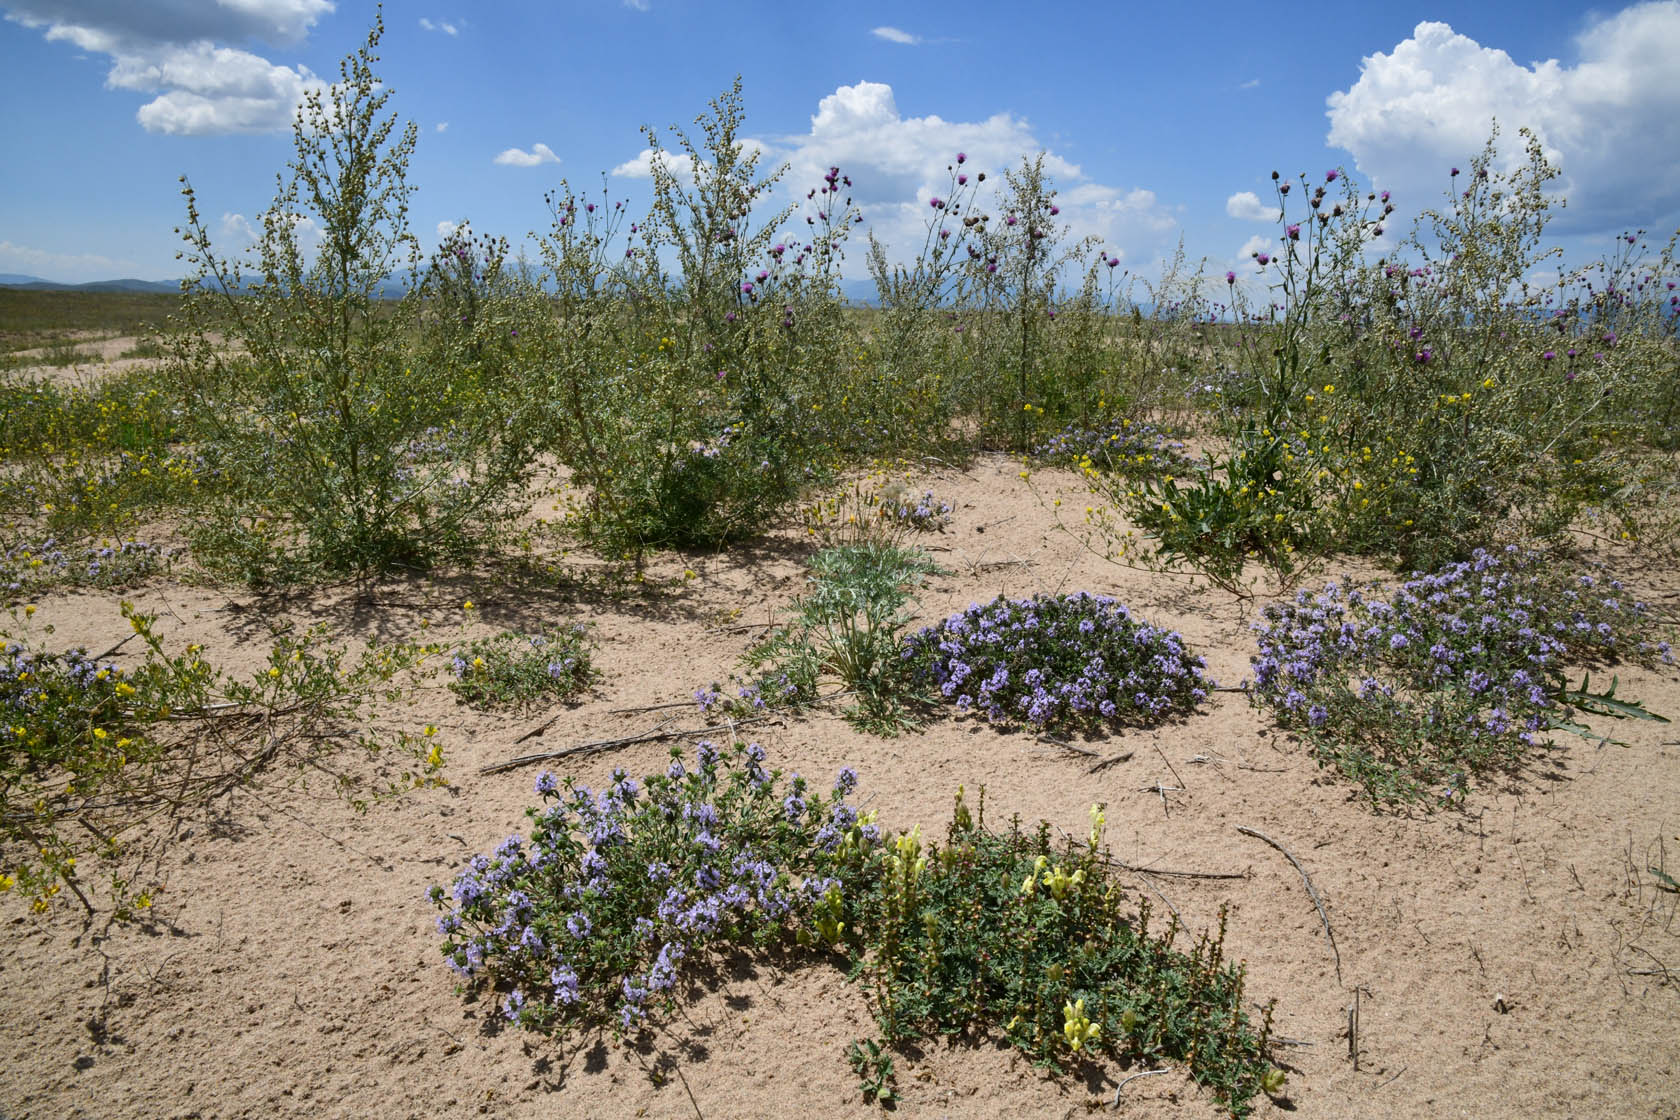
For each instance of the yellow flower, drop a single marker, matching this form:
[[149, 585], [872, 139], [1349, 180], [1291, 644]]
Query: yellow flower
[[1076, 1027], [101, 734], [29, 610], [273, 673], [467, 606]]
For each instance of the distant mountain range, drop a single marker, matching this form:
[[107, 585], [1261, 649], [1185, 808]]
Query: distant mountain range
[[860, 291], [35, 283]]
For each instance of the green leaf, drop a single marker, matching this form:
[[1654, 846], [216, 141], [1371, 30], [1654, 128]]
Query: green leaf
[[1554, 723], [1606, 704]]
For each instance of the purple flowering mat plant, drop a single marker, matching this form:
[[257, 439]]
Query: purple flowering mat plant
[[586, 922], [1059, 662], [1457, 673]]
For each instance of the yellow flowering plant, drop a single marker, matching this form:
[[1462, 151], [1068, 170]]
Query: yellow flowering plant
[[91, 750]]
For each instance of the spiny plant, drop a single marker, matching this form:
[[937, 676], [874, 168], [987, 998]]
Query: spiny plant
[[691, 409], [1021, 258]]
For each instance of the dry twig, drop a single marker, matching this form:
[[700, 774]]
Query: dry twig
[[1134, 1077], [600, 745], [1312, 892]]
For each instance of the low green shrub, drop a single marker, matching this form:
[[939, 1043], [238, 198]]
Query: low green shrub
[[519, 670], [1001, 931], [29, 567], [1123, 446]]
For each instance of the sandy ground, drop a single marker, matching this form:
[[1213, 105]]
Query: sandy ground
[[1506, 956], [103, 358]]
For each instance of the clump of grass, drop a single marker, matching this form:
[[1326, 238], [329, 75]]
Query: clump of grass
[[1456, 674], [519, 670], [148, 347], [849, 625], [61, 353], [1062, 661], [877, 510]]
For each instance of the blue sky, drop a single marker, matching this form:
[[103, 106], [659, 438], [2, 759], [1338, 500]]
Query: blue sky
[[1157, 122]]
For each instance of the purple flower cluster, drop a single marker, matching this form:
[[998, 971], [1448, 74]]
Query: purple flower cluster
[[592, 918], [106, 565], [1058, 661], [50, 699], [1467, 658], [926, 514], [1127, 447]]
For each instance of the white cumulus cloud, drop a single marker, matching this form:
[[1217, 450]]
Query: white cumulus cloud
[[898, 163], [1610, 121], [894, 35], [680, 164], [442, 25], [442, 126], [537, 156], [237, 227], [171, 49], [1247, 206], [1253, 245]]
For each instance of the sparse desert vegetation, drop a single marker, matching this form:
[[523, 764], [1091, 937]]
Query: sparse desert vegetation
[[638, 681]]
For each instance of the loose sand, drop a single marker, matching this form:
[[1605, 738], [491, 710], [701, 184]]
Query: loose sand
[[1506, 954]]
